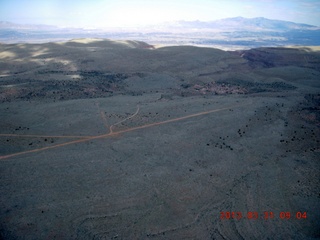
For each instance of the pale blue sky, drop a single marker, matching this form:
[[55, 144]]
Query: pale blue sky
[[115, 13]]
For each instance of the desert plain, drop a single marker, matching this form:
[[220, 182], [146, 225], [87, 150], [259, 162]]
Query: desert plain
[[103, 139]]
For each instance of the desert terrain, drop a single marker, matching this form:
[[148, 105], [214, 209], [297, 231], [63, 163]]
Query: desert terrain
[[103, 139]]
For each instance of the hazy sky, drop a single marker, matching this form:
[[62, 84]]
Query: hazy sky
[[106, 13]]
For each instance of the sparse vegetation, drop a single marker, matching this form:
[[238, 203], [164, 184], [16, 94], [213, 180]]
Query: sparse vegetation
[[102, 139]]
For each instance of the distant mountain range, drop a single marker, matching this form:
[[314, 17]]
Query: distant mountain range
[[241, 24], [234, 24], [15, 26], [238, 31]]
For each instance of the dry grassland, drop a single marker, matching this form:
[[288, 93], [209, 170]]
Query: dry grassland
[[105, 139]]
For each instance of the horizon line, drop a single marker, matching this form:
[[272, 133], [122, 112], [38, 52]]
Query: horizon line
[[148, 25]]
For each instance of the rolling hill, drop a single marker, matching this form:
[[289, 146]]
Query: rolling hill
[[114, 139]]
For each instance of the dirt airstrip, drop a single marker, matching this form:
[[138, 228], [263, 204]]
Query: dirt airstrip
[[105, 139]]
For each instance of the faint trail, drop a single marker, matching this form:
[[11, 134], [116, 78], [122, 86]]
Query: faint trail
[[41, 136], [103, 116], [119, 132], [186, 225], [138, 109], [104, 119]]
